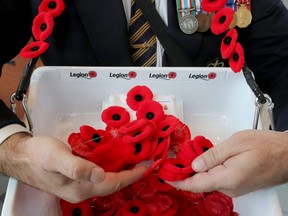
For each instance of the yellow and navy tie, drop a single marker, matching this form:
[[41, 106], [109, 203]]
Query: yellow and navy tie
[[142, 38]]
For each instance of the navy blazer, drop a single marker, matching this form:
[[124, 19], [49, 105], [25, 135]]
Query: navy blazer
[[94, 33]]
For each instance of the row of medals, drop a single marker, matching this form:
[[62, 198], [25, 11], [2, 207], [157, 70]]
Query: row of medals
[[201, 22]]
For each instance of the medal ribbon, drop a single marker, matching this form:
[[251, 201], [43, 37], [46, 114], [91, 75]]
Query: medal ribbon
[[185, 7], [247, 3]]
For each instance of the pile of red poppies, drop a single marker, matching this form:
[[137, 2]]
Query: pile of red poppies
[[155, 137]]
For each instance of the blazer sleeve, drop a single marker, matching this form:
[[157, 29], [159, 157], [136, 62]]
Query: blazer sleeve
[[8, 117], [265, 44], [15, 24]]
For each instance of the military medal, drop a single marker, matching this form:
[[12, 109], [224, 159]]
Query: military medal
[[188, 23], [204, 22], [243, 13]]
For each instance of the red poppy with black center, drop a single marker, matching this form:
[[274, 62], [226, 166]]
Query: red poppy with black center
[[236, 59], [186, 153], [228, 43], [76, 209], [103, 205], [110, 156], [145, 132], [132, 74], [93, 137], [42, 26], [34, 49], [137, 95], [55, 7], [172, 75], [213, 5], [134, 207], [221, 20], [191, 197], [179, 135], [212, 75], [162, 148], [167, 126], [78, 146], [143, 190], [201, 144], [173, 170], [133, 125], [154, 166], [151, 110], [217, 205], [159, 184], [92, 74], [162, 204], [115, 116]]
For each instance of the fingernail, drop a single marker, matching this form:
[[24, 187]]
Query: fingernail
[[97, 175], [198, 164]]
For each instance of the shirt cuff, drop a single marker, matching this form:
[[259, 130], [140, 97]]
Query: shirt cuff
[[11, 129]]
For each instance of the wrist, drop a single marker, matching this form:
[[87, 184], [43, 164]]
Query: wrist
[[11, 153]]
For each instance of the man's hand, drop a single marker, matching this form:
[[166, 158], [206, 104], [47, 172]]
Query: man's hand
[[247, 161], [47, 164]]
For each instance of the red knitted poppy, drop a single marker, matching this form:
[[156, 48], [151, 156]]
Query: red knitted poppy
[[228, 43], [34, 49], [54, 7], [213, 5], [42, 26], [236, 59], [173, 170], [221, 20]]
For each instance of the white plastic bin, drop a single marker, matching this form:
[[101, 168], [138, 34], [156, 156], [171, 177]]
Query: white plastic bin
[[215, 103]]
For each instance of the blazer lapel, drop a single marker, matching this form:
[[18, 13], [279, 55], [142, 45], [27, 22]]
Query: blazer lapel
[[106, 27]]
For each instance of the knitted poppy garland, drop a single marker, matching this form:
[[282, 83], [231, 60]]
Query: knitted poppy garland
[[155, 138], [223, 20]]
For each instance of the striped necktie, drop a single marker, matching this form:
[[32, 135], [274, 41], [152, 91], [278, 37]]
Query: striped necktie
[[142, 39]]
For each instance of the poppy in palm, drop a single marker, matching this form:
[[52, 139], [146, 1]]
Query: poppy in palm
[[201, 144], [173, 170], [78, 146], [186, 153], [93, 137]]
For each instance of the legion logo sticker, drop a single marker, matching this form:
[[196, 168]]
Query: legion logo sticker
[[206, 77], [87, 75], [165, 76], [128, 76]]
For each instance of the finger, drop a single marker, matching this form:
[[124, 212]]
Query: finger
[[115, 181], [204, 181], [213, 157], [77, 168]]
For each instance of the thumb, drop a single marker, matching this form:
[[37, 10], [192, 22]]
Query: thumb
[[211, 158], [77, 168]]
